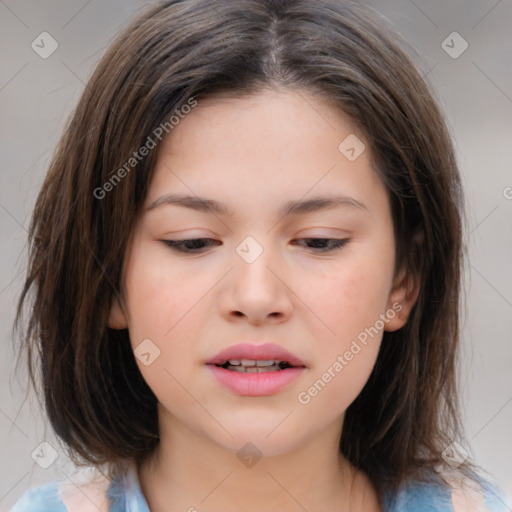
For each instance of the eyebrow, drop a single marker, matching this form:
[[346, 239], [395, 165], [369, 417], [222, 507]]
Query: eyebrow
[[294, 207]]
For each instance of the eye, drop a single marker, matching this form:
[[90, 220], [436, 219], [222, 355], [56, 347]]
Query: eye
[[325, 244], [189, 246], [196, 245]]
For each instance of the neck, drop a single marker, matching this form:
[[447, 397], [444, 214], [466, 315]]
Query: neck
[[190, 472]]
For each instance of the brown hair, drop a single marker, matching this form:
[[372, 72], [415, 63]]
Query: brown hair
[[177, 50]]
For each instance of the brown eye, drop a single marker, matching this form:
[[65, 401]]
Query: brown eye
[[193, 245], [325, 244]]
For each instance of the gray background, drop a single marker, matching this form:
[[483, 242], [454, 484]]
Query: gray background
[[475, 91]]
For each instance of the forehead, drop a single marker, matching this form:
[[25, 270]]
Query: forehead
[[270, 120], [262, 147]]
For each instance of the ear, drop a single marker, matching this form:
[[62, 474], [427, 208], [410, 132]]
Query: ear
[[403, 296], [116, 319]]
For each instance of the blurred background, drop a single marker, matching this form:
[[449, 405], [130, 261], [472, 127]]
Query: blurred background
[[464, 49]]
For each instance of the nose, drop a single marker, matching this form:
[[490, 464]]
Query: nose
[[256, 290]]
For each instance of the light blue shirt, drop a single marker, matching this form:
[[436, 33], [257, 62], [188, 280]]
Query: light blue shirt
[[125, 495]]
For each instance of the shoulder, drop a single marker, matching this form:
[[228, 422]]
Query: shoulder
[[418, 497], [44, 498], [495, 499], [85, 490], [461, 495]]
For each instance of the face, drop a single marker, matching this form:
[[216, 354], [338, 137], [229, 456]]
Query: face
[[261, 273]]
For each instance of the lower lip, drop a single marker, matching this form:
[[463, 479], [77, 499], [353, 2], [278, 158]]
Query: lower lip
[[255, 384]]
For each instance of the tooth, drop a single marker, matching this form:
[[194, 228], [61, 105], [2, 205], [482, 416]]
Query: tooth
[[252, 362], [260, 362], [234, 362], [245, 369], [269, 369], [254, 369]]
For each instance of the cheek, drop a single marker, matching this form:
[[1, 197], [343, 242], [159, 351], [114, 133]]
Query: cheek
[[350, 305], [160, 302], [352, 298], [161, 294], [351, 302]]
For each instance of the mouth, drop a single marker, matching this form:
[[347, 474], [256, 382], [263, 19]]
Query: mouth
[[256, 366], [253, 358], [255, 377]]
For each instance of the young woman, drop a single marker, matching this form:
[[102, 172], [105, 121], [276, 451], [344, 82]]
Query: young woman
[[245, 264]]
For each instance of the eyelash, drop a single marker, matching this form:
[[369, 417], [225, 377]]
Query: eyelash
[[180, 245]]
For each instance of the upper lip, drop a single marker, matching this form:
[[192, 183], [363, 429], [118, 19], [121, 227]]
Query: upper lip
[[265, 351]]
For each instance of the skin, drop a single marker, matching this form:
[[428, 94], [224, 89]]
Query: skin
[[254, 154]]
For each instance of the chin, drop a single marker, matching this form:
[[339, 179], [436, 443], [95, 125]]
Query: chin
[[249, 449], [264, 442]]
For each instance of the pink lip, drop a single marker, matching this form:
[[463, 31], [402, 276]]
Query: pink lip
[[255, 384], [265, 351]]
